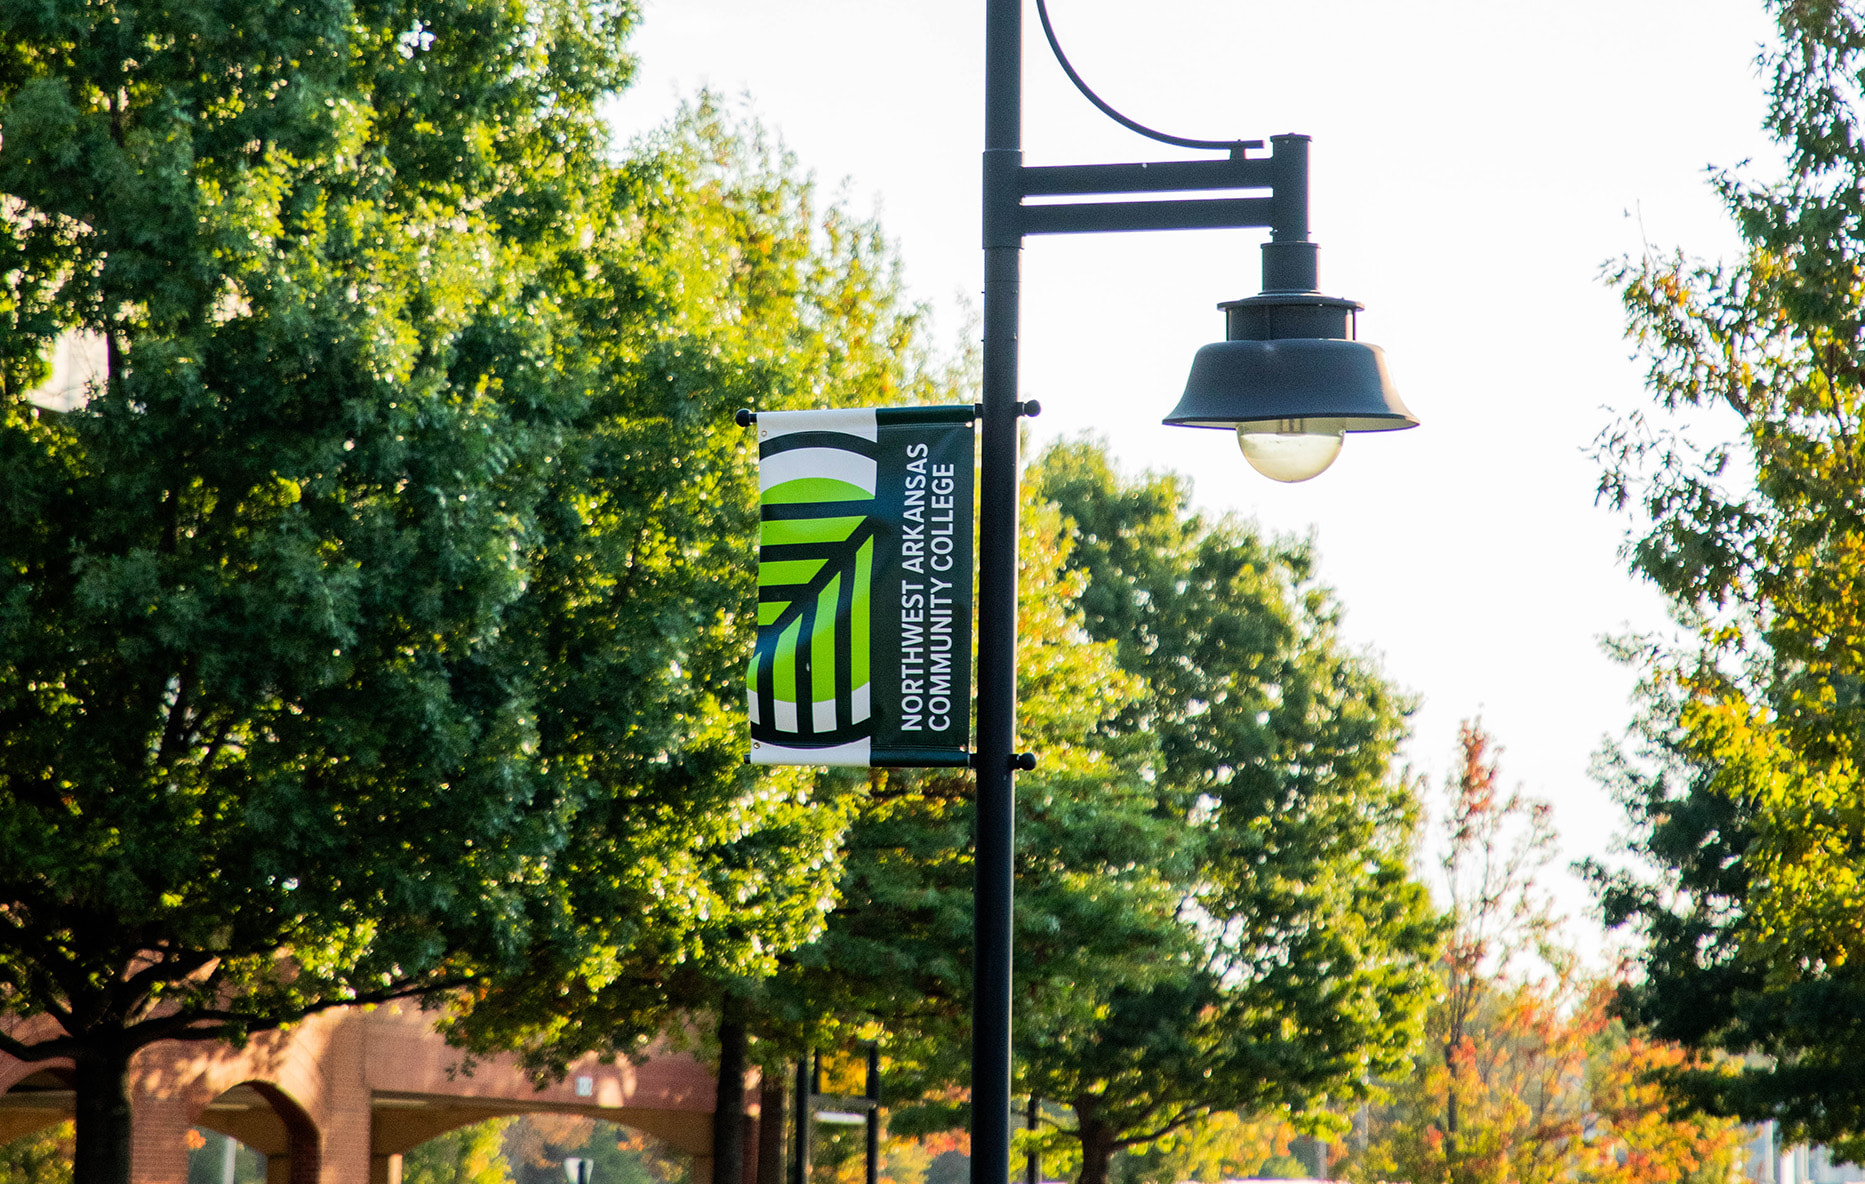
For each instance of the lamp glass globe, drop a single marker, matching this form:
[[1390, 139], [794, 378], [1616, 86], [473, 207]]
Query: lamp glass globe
[[1289, 450]]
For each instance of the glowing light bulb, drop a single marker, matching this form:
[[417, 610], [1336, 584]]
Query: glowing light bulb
[[1291, 450]]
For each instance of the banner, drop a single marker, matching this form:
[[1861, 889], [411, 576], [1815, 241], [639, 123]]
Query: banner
[[863, 654]]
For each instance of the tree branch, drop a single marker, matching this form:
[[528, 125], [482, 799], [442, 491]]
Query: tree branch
[[1184, 1116], [175, 730], [44, 1050], [216, 1023]]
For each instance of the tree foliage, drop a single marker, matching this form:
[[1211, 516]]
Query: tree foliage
[[469, 1155], [1223, 1145], [1302, 945], [1214, 904], [43, 1157], [373, 628], [1745, 783], [1496, 844], [756, 298], [532, 1148], [893, 959], [1547, 1088], [1526, 1078], [254, 588]]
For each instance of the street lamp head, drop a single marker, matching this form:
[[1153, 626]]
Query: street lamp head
[[1290, 380], [1290, 400]]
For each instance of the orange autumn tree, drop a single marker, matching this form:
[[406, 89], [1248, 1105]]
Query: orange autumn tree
[[1637, 1141], [1494, 1099], [1511, 1084], [1526, 1079]]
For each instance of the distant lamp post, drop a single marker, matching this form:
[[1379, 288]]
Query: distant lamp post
[[1290, 380], [578, 1171]]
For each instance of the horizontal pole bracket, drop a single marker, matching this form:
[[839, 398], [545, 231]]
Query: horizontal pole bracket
[[1182, 176], [1277, 185], [1216, 213]]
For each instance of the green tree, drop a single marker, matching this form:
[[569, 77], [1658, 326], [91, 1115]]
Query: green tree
[[43, 1157], [1088, 889], [1214, 908], [1223, 1145], [762, 298], [765, 300], [1304, 943], [891, 962], [470, 1155], [354, 642], [1744, 779]]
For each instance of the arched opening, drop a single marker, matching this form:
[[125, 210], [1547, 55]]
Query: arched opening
[[534, 1149], [36, 1129], [214, 1158], [253, 1134]]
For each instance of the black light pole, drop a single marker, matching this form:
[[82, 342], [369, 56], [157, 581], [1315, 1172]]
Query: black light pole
[[808, 1070], [1287, 374], [995, 834]]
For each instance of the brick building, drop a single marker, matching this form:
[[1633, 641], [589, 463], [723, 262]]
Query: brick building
[[339, 1098]]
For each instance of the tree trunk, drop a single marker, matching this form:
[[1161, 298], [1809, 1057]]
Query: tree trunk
[[102, 1153], [1097, 1149], [772, 1093], [728, 1108], [1450, 1106]]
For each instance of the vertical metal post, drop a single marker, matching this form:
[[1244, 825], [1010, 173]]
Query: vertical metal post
[[874, 1114], [1288, 156], [799, 1164], [1033, 1162], [995, 827], [1290, 261]]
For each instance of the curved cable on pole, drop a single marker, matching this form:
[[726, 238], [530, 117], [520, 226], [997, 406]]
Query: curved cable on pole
[[1042, 12]]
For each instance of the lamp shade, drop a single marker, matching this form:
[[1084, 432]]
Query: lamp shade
[[1332, 385]]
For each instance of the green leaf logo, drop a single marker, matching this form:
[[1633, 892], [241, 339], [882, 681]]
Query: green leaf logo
[[809, 684]]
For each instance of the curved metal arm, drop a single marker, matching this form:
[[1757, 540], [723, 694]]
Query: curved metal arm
[[1042, 12]]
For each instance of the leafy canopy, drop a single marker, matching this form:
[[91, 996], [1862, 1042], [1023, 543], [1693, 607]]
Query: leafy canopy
[[1214, 904], [1526, 1077], [371, 629], [1303, 941], [1744, 783], [761, 300]]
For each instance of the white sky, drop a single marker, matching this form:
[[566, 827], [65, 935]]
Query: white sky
[[1474, 164]]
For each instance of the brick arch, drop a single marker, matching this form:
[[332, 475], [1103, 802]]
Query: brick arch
[[13, 1072], [399, 1129], [35, 1095], [270, 1121], [337, 1080]]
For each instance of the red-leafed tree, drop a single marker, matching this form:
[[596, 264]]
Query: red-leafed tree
[[1529, 1079]]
